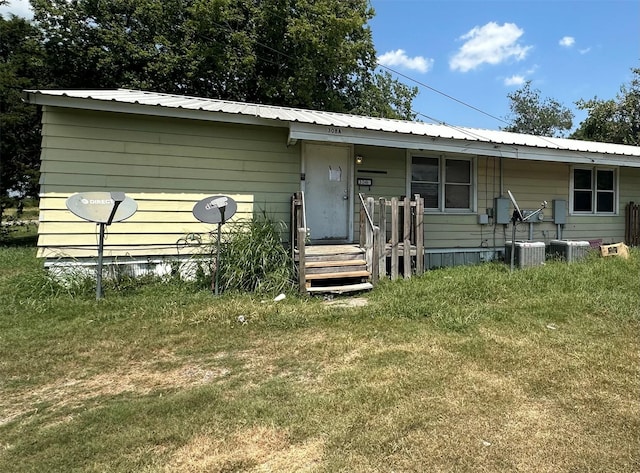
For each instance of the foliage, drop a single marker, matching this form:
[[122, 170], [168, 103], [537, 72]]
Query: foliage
[[530, 114], [22, 66], [300, 53], [616, 120], [253, 259], [387, 98]]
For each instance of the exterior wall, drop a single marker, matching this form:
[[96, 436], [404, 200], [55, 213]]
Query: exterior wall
[[166, 165], [531, 182], [387, 168]]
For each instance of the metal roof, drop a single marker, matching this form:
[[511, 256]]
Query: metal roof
[[118, 99]]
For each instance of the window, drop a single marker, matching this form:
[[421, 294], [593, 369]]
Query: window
[[445, 184], [594, 190]]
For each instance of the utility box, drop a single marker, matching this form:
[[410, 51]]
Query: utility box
[[567, 250], [559, 212], [501, 212], [527, 253]]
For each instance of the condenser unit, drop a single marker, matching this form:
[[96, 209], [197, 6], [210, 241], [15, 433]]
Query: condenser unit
[[568, 250], [527, 253]]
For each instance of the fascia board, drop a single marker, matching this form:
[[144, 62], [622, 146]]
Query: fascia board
[[149, 110], [333, 134]]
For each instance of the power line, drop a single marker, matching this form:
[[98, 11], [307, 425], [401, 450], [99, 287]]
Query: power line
[[441, 93], [422, 84]]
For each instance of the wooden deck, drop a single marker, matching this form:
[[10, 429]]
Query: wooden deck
[[354, 267]]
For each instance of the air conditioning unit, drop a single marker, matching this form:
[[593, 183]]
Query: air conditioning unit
[[527, 253], [568, 250]]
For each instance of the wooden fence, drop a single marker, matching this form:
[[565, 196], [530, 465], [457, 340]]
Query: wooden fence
[[401, 228], [632, 224]]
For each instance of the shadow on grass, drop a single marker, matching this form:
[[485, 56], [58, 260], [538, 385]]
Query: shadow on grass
[[23, 241], [20, 237]]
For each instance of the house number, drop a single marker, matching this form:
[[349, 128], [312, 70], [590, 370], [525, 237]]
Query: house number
[[335, 131]]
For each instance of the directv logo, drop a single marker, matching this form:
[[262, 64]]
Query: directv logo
[[216, 203], [97, 201]]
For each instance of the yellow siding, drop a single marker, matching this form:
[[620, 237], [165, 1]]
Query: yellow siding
[[387, 168], [166, 165], [530, 181]]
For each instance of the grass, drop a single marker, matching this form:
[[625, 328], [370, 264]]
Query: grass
[[463, 369], [19, 228]]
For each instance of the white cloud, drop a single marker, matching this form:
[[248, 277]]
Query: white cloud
[[20, 8], [489, 44], [584, 51], [515, 80], [399, 58], [567, 41]]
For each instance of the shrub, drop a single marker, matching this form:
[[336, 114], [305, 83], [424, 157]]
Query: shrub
[[253, 258]]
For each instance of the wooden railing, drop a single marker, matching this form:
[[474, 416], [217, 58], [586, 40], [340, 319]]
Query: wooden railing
[[632, 224], [406, 231], [298, 237], [370, 237], [401, 234]]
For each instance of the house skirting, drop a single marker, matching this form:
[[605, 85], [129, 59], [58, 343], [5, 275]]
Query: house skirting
[[186, 266], [447, 257]]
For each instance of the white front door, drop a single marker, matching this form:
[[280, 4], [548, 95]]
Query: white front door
[[327, 191]]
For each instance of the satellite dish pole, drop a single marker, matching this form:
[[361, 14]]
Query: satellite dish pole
[[118, 198], [220, 223], [518, 216], [215, 209]]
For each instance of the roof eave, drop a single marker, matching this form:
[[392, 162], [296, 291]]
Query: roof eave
[[321, 133], [89, 103]]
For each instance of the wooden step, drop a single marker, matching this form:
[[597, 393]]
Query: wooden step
[[364, 286], [335, 269], [320, 267], [332, 252], [315, 250], [338, 275], [330, 263]]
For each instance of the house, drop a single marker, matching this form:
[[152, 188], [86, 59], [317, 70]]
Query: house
[[168, 152]]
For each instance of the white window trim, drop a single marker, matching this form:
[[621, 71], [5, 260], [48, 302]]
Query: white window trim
[[474, 182], [616, 191]]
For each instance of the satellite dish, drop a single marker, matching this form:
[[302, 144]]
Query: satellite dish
[[102, 207], [518, 216], [515, 205], [215, 209]]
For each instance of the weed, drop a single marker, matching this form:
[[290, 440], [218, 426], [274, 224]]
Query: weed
[[253, 258]]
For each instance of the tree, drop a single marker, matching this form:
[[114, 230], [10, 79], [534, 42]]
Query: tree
[[387, 98], [613, 121], [532, 115], [315, 54], [22, 66]]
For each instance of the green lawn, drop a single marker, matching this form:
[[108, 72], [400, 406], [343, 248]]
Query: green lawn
[[464, 369]]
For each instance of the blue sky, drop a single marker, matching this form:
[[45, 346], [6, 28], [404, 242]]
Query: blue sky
[[478, 51]]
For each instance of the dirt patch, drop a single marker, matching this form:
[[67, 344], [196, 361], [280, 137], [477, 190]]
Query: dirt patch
[[258, 449], [347, 302], [139, 378]]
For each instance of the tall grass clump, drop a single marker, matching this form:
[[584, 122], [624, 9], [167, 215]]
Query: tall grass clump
[[253, 258]]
